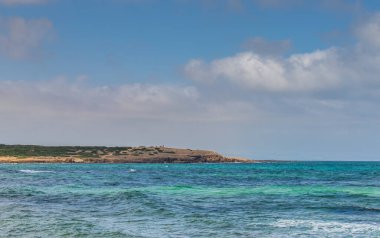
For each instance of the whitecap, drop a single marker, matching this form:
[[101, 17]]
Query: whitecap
[[330, 227], [132, 170], [30, 171]]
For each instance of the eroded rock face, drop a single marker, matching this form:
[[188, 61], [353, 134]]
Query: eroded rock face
[[114, 155]]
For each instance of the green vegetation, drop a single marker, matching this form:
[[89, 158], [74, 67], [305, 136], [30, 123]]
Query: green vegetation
[[72, 151]]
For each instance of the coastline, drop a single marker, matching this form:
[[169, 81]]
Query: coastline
[[97, 154], [72, 160]]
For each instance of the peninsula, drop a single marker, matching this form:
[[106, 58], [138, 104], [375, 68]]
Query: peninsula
[[102, 154]]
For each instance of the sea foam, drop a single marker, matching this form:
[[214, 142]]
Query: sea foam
[[30, 171], [330, 227]]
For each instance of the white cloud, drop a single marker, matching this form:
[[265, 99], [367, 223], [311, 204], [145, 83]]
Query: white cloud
[[299, 72], [61, 96], [22, 2], [78, 100], [21, 38]]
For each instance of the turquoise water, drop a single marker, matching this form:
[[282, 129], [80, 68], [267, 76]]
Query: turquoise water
[[296, 199]]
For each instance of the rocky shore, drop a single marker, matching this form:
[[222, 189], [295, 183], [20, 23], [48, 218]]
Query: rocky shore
[[94, 154]]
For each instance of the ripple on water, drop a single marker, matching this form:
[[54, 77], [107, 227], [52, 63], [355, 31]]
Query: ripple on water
[[192, 200]]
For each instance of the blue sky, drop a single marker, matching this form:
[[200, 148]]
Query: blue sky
[[261, 79]]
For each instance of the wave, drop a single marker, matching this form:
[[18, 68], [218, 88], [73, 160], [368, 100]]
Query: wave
[[31, 171], [284, 190], [330, 227]]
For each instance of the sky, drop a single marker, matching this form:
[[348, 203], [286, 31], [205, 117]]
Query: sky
[[263, 79]]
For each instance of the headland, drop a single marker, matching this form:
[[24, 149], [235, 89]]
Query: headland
[[103, 154]]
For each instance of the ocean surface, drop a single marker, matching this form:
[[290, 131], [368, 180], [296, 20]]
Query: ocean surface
[[292, 199]]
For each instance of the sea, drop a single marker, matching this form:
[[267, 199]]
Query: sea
[[279, 199]]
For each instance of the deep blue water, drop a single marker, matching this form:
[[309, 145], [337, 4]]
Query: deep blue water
[[295, 199]]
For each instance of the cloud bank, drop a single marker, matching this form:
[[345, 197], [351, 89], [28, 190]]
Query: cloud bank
[[76, 99]]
